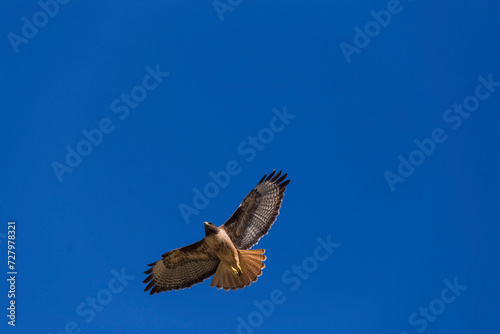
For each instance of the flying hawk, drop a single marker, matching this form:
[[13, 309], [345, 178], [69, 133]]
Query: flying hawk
[[225, 249]]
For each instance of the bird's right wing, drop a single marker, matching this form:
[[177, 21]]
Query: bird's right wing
[[182, 268], [258, 211]]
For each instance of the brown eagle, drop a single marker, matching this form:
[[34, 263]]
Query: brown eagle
[[225, 249]]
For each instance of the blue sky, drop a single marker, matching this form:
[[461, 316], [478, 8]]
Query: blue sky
[[384, 114]]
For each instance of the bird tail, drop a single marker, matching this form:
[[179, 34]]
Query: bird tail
[[251, 263]]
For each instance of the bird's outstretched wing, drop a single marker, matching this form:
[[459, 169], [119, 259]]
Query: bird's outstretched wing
[[182, 268], [258, 211]]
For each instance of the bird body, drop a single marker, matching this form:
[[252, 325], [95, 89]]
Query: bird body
[[220, 243]]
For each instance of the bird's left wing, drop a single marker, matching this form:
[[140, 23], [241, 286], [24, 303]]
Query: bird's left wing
[[258, 211], [182, 268]]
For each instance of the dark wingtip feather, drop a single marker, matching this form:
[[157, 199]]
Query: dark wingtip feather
[[276, 177], [147, 279], [281, 179], [149, 285], [271, 175]]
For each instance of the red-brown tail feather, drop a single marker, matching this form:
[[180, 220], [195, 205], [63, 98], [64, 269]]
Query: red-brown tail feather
[[251, 263]]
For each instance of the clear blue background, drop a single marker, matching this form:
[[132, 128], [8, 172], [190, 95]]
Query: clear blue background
[[119, 209]]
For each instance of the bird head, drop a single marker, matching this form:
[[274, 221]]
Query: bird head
[[210, 228]]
